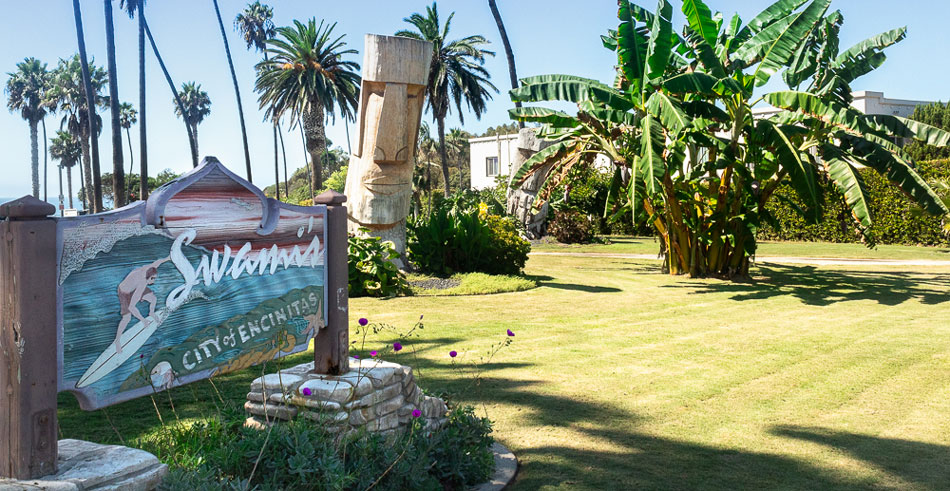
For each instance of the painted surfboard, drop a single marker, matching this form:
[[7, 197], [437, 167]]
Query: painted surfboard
[[131, 340]]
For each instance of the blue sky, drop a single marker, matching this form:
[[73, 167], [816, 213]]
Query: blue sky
[[552, 36]]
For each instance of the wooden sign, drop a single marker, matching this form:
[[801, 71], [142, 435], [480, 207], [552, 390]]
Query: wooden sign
[[206, 277]]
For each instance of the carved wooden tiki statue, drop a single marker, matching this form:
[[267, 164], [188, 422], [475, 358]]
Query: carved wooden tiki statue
[[379, 181]]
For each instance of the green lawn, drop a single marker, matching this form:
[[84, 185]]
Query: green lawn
[[649, 245], [620, 377]]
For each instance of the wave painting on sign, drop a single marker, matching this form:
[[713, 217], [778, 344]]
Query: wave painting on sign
[[206, 277]]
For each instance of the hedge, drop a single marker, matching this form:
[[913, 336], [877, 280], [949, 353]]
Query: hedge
[[896, 220]]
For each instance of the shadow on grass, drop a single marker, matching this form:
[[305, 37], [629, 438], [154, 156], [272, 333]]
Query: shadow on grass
[[579, 288], [817, 286], [625, 457]]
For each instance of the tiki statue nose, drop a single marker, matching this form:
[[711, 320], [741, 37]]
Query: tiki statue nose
[[392, 144]]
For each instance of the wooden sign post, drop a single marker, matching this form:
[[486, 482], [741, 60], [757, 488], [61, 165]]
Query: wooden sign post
[[27, 339], [206, 277]]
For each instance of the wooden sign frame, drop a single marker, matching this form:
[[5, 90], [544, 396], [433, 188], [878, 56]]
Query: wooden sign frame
[[206, 276]]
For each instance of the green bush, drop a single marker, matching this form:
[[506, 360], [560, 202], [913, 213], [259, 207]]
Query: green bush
[[572, 227], [372, 272], [587, 188], [896, 220], [224, 454], [450, 242]]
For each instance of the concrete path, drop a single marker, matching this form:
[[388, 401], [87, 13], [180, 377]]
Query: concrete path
[[820, 261]]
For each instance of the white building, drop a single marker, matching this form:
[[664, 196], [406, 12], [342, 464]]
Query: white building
[[491, 156], [866, 101]]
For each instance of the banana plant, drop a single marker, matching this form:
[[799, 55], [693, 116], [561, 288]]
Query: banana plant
[[689, 155]]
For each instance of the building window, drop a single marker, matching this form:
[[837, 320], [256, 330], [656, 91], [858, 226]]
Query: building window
[[491, 166]]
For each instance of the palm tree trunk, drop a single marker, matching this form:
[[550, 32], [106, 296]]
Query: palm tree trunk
[[91, 110], [35, 157], [237, 92], [283, 152], [306, 165], [168, 78], [512, 73], [118, 165], [128, 136], [316, 143], [86, 170], [194, 133], [61, 190], [442, 156], [46, 163], [276, 165], [143, 145], [69, 183]]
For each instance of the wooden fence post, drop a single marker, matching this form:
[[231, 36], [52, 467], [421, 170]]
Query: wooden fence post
[[331, 344], [28, 365]]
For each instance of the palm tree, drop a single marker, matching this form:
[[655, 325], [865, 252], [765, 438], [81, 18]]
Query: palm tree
[[26, 91], [67, 94], [512, 73], [90, 109], [457, 73], [196, 104], [118, 171], [67, 149], [237, 91], [131, 7], [127, 117], [171, 85], [308, 77], [256, 26]]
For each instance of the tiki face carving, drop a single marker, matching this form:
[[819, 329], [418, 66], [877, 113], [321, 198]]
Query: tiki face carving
[[379, 181]]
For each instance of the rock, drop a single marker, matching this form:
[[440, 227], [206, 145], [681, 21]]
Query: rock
[[255, 396], [360, 417], [270, 411], [433, 407], [327, 390], [85, 465], [381, 376], [389, 406], [387, 422], [379, 396], [281, 381]]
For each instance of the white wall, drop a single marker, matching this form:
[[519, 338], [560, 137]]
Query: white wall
[[866, 101], [504, 147]]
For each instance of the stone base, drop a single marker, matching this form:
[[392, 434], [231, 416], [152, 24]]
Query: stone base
[[90, 466], [374, 395]]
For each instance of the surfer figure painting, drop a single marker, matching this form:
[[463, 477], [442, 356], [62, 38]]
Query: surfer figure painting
[[132, 290]]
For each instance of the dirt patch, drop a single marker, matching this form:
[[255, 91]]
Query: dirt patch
[[436, 283]]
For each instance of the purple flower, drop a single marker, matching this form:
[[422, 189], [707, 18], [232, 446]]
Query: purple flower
[[511, 333], [416, 413], [306, 391], [397, 346], [356, 356], [453, 353], [372, 353], [363, 321]]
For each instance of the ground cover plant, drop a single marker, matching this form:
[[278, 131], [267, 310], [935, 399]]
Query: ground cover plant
[[688, 156], [468, 284], [628, 378]]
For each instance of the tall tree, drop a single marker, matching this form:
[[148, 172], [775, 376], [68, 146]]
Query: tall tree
[[237, 91], [256, 26], [127, 117], [196, 104], [68, 95], [67, 149], [118, 170], [512, 73], [456, 75], [179, 107], [26, 92], [132, 7], [307, 77], [91, 109]]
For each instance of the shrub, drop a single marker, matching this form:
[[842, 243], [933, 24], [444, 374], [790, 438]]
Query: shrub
[[222, 453], [896, 220], [450, 242], [372, 272], [572, 227]]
